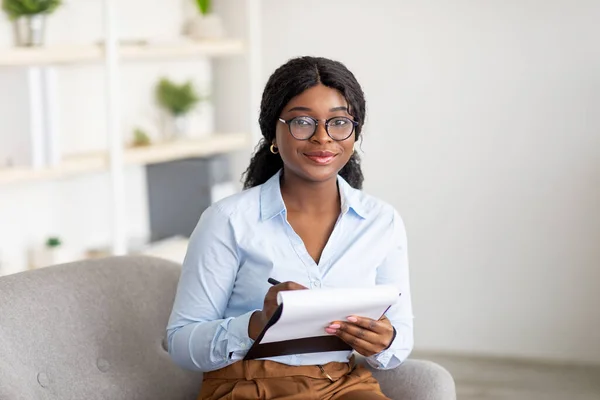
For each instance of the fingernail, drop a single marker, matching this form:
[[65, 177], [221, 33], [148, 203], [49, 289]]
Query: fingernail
[[352, 319], [330, 331], [335, 326]]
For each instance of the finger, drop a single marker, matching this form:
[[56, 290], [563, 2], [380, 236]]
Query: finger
[[383, 326], [289, 286], [354, 330], [358, 343], [359, 332], [284, 286]]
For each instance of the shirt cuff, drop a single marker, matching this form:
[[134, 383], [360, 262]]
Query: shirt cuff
[[386, 358], [238, 341]]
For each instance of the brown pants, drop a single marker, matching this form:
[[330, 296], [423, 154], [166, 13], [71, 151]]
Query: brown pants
[[256, 379]]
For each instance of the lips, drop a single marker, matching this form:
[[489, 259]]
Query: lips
[[320, 157]]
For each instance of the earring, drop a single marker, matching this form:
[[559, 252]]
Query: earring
[[274, 149]]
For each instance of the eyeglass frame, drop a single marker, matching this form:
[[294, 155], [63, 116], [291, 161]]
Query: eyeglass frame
[[316, 121]]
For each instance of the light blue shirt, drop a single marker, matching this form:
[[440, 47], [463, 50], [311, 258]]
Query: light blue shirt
[[244, 239]]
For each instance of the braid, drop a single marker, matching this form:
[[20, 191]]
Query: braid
[[288, 81], [352, 172]]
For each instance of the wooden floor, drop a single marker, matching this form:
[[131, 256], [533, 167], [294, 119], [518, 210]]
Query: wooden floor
[[497, 379]]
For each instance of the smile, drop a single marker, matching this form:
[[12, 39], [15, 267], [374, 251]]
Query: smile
[[320, 157]]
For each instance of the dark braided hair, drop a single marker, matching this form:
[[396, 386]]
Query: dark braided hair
[[288, 81]]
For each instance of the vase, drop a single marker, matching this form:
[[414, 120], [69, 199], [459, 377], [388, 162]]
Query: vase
[[49, 256], [179, 127], [30, 30], [204, 27]]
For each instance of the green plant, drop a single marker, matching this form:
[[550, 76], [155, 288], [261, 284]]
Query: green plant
[[178, 99], [53, 242], [20, 8], [204, 6], [140, 137]]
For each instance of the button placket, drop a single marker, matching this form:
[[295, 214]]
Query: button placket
[[300, 249]]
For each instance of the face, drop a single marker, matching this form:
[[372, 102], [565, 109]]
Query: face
[[319, 158]]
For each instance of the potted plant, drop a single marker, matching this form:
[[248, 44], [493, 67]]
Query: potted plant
[[52, 253], [178, 100], [205, 25], [140, 138], [29, 19]]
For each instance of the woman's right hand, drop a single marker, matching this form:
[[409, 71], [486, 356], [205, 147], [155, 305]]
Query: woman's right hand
[[260, 318]]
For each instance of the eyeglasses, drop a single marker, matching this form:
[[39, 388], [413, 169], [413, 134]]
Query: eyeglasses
[[303, 128]]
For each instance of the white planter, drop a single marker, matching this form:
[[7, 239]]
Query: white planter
[[176, 127], [204, 27], [181, 126], [30, 30], [49, 256]]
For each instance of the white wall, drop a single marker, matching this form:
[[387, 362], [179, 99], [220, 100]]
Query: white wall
[[484, 132]]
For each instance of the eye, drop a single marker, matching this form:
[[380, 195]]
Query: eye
[[339, 122], [302, 122]]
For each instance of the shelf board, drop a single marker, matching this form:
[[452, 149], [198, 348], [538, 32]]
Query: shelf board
[[216, 144], [75, 54], [73, 165], [99, 161]]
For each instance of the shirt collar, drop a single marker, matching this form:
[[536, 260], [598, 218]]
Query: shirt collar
[[351, 198], [271, 201]]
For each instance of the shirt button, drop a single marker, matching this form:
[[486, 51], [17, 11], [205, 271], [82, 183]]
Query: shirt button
[[317, 283]]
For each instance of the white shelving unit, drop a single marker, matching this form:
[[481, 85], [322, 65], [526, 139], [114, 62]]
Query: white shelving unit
[[236, 74], [78, 54]]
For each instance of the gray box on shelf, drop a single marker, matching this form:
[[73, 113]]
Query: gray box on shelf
[[179, 191]]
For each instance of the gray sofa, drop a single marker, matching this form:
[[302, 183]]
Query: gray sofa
[[95, 330]]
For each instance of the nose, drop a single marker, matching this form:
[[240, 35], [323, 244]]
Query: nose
[[321, 135]]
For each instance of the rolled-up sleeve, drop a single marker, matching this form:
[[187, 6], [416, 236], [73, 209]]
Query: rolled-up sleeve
[[199, 338], [394, 271]]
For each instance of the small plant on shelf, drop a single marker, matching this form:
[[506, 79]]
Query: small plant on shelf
[[204, 6], [140, 138], [22, 8], [178, 99], [53, 242], [53, 252], [206, 25], [29, 19]]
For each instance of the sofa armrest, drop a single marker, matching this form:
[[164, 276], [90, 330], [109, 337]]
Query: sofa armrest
[[416, 380]]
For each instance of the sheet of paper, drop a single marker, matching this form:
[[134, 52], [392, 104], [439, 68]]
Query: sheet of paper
[[306, 313]]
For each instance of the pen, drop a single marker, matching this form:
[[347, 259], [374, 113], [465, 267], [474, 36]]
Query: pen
[[273, 281]]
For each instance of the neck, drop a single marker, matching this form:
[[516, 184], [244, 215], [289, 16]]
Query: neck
[[309, 197]]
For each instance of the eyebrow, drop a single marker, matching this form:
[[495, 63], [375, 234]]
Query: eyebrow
[[300, 108]]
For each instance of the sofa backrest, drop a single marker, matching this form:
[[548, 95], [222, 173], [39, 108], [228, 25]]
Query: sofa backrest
[[91, 330]]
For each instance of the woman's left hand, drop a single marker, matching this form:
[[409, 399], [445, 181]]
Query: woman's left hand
[[366, 336]]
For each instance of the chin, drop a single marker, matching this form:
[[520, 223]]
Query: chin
[[320, 174]]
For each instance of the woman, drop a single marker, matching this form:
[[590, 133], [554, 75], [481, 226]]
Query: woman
[[302, 220]]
